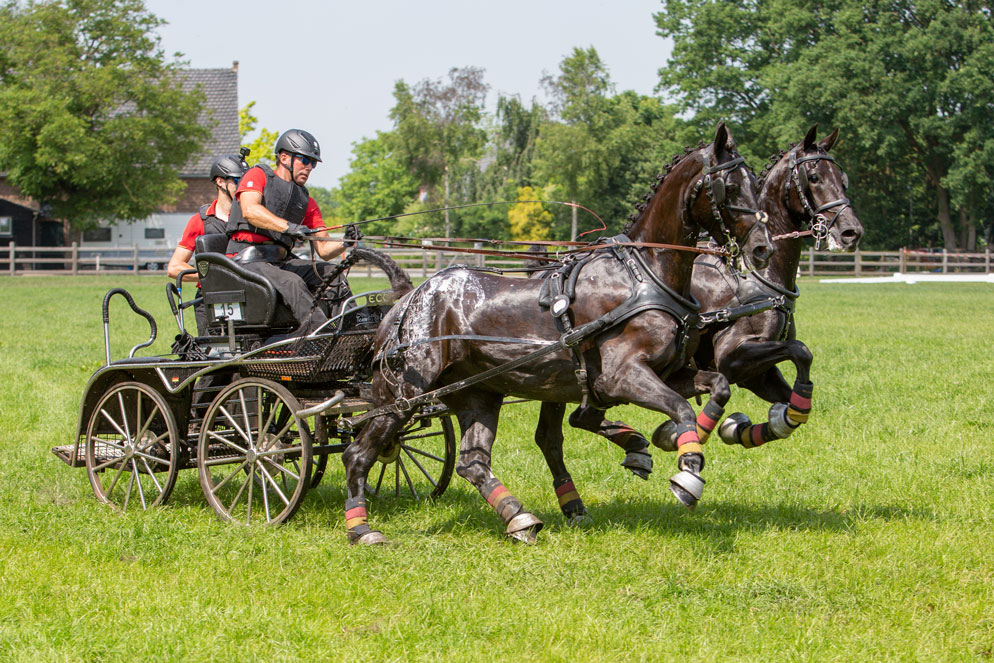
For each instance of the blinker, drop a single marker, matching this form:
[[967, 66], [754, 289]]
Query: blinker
[[845, 180], [717, 191], [802, 177]]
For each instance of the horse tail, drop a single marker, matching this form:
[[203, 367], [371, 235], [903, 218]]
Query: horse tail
[[400, 282]]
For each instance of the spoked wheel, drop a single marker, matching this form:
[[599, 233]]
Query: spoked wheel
[[254, 453], [420, 461], [132, 447]]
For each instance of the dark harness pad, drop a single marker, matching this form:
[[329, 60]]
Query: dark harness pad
[[560, 283]]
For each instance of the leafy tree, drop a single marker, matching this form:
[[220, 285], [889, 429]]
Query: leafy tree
[[379, 184], [437, 130], [529, 220], [262, 147], [909, 81], [93, 120]]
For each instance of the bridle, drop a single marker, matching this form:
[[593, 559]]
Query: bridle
[[817, 222], [714, 188]]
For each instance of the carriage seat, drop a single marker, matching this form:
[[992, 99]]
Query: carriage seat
[[224, 281]]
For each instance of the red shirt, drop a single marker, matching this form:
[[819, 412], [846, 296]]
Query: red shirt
[[255, 180], [195, 228]]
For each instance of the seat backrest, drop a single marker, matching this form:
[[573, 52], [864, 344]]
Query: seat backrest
[[213, 243], [223, 281]]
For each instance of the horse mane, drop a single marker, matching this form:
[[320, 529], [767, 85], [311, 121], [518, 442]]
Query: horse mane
[[773, 161], [643, 205]]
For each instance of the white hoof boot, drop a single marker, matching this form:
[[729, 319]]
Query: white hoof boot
[[730, 426], [688, 488], [779, 424], [524, 527], [664, 436]]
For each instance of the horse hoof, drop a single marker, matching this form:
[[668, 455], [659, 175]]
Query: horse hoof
[[577, 519], [524, 527], [370, 538], [780, 426], [638, 463], [730, 427], [688, 488], [664, 436]]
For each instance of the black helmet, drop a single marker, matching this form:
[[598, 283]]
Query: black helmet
[[229, 165], [298, 141]]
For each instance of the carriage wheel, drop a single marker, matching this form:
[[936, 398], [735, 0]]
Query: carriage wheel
[[419, 463], [132, 447], [254, 453]]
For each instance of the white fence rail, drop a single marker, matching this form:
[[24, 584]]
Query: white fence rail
[[20, 260]]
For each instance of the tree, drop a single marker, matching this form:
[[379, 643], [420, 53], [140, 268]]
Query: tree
[[379, 184], [93, 120], [437, 129], [262, 147], [529, 220], [910, 82]]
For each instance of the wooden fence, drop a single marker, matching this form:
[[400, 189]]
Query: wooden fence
[[21, 260]]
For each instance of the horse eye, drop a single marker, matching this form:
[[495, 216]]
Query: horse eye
[[813, 177]]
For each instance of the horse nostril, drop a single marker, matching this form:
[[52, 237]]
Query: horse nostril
[[762, 253], [851, 236]]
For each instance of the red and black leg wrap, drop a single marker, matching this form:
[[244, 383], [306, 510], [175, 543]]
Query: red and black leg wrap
[[569, 500], [356, 517], [500, 498], [756, 435], [800, 403], [708, 419]]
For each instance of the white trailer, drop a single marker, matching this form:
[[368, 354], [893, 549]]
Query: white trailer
[[155, 237]]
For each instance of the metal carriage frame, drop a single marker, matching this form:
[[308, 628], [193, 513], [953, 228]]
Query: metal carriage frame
[[257, 420]]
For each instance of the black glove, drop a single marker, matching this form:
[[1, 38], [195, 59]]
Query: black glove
[[297, 231], [352, 234]]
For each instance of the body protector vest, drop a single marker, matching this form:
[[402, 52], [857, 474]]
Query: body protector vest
[[287, 200], [212, 224]]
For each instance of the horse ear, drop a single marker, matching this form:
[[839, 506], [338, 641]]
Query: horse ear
[[721, 138], [828, 141], [809, 138]]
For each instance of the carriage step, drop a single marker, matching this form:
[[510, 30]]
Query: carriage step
[[65, 454]]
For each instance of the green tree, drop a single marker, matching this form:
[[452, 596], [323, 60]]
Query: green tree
[[93, 120], [437, 129], [529, 220], [910, 82], [378, 184], [261, 148]]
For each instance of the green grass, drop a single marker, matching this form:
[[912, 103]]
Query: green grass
[[866, 536]]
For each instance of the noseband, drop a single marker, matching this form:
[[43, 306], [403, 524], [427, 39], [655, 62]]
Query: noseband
[[817, 221], [714, 188]]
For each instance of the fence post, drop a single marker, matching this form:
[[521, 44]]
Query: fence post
[[901, 263], [134, 258], [945, 261], [75, 258], [859, 263], [13, 255], [987, 260], [811, 262]]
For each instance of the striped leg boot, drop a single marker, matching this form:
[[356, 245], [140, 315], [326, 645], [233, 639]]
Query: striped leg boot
[[569, 500], [521, 525]]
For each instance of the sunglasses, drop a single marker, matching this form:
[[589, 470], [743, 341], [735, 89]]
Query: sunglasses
[[307, 161], [236, 180]]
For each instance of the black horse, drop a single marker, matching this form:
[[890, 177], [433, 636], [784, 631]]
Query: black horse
[[472, 337], [802, 190]]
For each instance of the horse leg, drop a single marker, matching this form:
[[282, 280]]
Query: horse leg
[[358, 458], [637, 459], [549, 438], [791, 405], [478, 413], [689, 382], [640, 386]]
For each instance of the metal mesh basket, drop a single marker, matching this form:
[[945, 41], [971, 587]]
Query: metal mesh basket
[[342, 356]]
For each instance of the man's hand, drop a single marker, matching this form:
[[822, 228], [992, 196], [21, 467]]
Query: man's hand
[[297, 231], [352, 234]]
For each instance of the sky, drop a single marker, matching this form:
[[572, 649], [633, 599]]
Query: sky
[[330, 67]]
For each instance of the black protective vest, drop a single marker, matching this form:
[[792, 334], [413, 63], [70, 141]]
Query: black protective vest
[[286, 200], [212, 224]]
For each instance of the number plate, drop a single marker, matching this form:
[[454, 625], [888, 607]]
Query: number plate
[[232, 310]]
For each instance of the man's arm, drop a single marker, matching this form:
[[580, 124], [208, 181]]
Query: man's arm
[[256, 213], [327, 250], [179, 261]]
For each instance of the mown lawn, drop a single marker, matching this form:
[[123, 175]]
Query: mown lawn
[[866, 536]]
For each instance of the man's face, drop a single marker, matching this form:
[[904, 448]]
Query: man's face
[[300, 167]]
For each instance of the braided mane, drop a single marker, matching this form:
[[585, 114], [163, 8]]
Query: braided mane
[[773, 160], [641, 206]]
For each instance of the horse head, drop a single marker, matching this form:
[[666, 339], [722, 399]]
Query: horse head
[[711, 189], [811, 187]]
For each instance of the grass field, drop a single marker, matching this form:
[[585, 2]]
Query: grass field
[[866, 536]]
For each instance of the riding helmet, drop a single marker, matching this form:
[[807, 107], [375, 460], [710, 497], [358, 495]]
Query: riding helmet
[[229, 165], [298, 141]]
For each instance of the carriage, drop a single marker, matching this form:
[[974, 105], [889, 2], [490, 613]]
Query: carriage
[[255, 409]]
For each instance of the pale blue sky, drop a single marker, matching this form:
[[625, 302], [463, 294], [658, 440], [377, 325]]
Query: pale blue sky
[[330, 67]]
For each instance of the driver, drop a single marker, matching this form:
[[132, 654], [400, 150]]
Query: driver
[[272, 210]]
